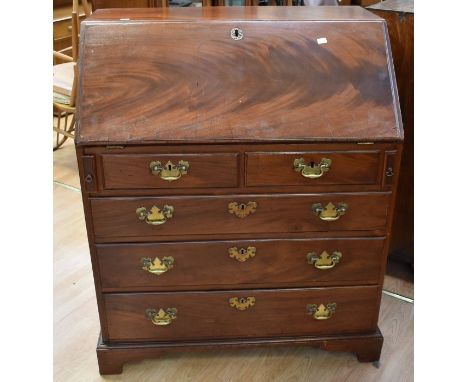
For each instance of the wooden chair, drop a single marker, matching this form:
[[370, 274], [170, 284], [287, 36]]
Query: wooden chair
[[65, 81]]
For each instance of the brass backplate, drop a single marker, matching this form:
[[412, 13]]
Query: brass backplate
[[156, 266], [321, 312], [155, 216], [169, 171], [324, 260], [161, 317]]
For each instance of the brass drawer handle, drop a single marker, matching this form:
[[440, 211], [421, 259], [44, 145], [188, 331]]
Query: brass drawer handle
[[242, 303], [242, 254], [241, 210], [161, 317], [321, 312], [324, 260], [155, 216], [169, 171], [157, 267], [313, 170], [330, 213]]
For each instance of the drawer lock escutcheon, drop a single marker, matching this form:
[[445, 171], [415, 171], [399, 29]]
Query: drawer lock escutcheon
[[241, 210], [321, 312], [157, 267], [242, 303], [313, 170], [242, 254], [330, 213], [161, 317], [324, 260], [169, 171], [155, 216]]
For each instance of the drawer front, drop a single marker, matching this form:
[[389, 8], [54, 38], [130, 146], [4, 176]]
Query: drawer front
[[313, 168], [139, 171], [224, 264], [241, 314], [118, 217]]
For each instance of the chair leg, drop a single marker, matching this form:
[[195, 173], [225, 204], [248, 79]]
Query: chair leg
[[67, 130]]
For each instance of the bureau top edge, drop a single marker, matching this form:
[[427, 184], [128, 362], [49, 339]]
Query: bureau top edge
[[229, 141], [254, 13]]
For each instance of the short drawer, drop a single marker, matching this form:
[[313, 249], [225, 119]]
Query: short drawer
[[228, 264], [146, 171], [129, 219], [241, 314], [310, 168]]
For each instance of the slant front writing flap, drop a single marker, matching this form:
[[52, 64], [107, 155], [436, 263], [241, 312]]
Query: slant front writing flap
[[225, 80]]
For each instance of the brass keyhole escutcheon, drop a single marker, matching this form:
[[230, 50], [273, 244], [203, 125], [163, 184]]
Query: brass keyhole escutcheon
[[242, 254], [242, 303], [241, 210]]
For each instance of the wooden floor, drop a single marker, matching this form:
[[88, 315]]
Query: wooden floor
[[76, 325]]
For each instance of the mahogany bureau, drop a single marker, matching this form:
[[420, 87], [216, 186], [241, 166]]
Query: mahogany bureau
[[238, 170]]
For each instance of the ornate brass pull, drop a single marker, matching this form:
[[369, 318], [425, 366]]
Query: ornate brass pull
[[330, 213], [169, 171], [157, 267], [313, 170], [242, 254], [241, 210], [321, 312], [155, 216], [324, 261], [242, 303], [161, 317]]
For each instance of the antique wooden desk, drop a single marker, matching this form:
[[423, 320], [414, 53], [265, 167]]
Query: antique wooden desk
[[238, 170]]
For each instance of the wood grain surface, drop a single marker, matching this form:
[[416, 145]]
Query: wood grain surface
[[237, 13], [205, 170], [171, 82], [178, 82], [75, 339], [208, 265], [208, 315], [355, 167], [347, 168], [116, 217]]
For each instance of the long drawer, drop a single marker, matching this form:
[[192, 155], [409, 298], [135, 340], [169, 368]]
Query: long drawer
[[228, 264], [241, 314], [131, 218]]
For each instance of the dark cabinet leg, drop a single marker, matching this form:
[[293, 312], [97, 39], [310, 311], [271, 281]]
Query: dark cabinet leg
[[369, 354], [109, 362]]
